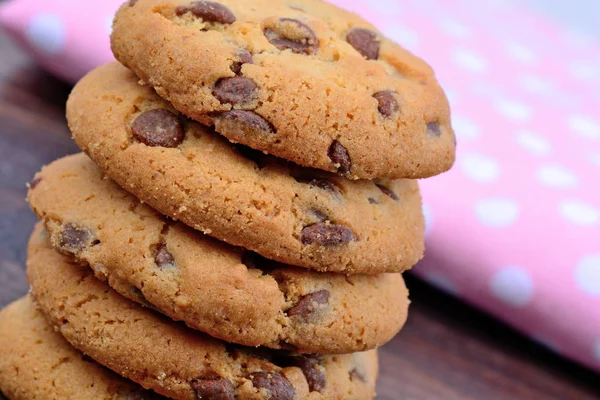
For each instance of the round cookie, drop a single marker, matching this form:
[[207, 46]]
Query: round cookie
[[171, 359], [225, 291], [299, 79], [38, 363], [294, 215]]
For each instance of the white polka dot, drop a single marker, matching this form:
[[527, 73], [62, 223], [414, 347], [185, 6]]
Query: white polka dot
[[497, 212], [584, 71], [596, 350], [535, 84], [484, 89], [557, 176], [513, 110], [455, 28], [512, 286], [533, 143], [479, 167], [402, 35], [587, 274], [465, 128], [521, 53], [441, 282], [46, 33], [579, 213], [584, 126], [428, 219], [469, 60]]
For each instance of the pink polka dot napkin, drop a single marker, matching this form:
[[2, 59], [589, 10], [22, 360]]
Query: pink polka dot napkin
[[514, 228]]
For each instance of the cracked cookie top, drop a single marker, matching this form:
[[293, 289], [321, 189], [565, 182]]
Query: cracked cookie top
[[171, 359], [300, 79], [228, 292], [295, 215]]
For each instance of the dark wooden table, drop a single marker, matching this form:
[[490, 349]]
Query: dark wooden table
[[447, 351]]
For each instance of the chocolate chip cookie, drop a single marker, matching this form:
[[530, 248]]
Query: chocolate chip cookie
[[298, 216], [230, 293], [171, 359], [299, 79], [36, 362]]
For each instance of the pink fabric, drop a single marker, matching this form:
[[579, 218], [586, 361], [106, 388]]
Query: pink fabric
[[515, 227]]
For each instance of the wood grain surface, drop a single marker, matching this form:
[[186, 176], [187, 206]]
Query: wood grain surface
[[448, 350]]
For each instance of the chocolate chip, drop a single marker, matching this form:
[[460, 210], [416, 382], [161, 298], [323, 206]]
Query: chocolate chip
[[433, 129], [323, 184], [34, 182], [308, 304], [246, 122], [387, 191], [275, 384], [327, 234], [388, 105], [244, 57], [235, 90], [373, 201], [365, 41], [75, 239], [158, 127], [209, 11], [163, 258], [213, 389], [310, 368], [314, 179], [291, 34], [132, 3], [340, 157], [355, 374]]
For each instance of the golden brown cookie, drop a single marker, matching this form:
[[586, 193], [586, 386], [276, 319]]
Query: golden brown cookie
[[36, 362], [225, 291], [299, 79], [286, 213], [171, 359]]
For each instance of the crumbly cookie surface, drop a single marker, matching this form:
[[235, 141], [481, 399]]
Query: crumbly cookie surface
[[36, 362], [300, 79], [171, 359], [298, 216], [230, 293]]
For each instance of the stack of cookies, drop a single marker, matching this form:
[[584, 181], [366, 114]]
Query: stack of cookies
[[238, 222]]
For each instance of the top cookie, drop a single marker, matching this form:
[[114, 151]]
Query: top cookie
[[299, 79]]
